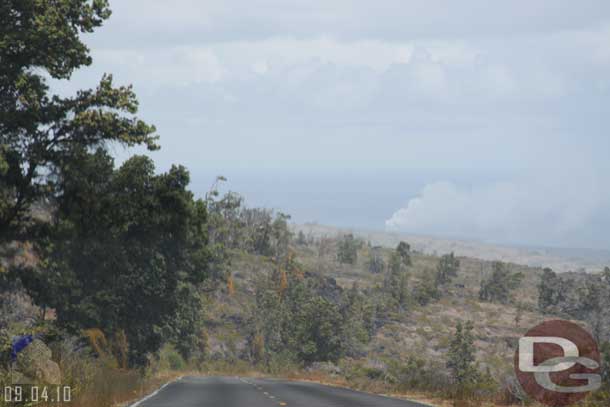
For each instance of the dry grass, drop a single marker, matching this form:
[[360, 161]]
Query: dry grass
[[120, 388], [145, 387]]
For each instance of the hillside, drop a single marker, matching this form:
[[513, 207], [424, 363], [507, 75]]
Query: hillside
[[286, 287], [419, 334]]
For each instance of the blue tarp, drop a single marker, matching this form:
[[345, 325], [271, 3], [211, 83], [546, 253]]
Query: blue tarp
[[19, 344]]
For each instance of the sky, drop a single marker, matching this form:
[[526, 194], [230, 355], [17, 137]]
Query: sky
[[471, 119]]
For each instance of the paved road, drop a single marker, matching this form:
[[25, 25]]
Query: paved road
[[249, 392]]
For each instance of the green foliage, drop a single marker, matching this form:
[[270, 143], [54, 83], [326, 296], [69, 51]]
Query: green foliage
[[585, 297], [404, 251], [40, 132], [426, 290], [550, 290], [305, 324], [593, 306], [447, 269], [347, 249], [396, 281], [127, 250], [171, 359], [280, 236], [415, 373], [461, 356], [232, 225], [499, 286], [358, 321], [316, 331]]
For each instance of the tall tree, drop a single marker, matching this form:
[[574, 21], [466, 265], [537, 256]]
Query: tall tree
[[550, 290], [500, 285], [447, 268], [461, 357], [396, 280], [404, 251], [126, 251], [426, 289], [359, 321], [347, 250], [376, 264], [39, 130]]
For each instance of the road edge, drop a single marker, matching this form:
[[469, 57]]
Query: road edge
[[153, 394]]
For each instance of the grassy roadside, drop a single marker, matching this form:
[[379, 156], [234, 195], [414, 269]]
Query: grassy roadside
[[123, 391], [148, 385]]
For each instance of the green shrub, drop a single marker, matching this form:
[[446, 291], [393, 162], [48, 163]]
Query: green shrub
[[171, 359]]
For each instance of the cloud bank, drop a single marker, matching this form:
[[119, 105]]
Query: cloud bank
[[427, 87], [561, 209]]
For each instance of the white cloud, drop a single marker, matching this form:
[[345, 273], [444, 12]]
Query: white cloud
[[391, 20], [555, 207], [439, 85], [155, 68]]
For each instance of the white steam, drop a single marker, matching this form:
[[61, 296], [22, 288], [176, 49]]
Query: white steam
[[555, 209]]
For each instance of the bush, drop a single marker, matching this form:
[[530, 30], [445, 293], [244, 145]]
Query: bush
[[282, 363], [170, 359]]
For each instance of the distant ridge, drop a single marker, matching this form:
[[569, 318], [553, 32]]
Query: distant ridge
[[559, 259]]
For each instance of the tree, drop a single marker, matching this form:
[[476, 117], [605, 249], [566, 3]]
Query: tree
[[267, 321], [358, 325], [396, 280], [426, 290], [605, 356], [593, 305], [347, 250], [585, 297], [550, 290], [447, 268], [404, 251], [499, 286], [301, 239], [39, 131], [226, 224], [280, 235], [126, 251], [316, 334], [376, 264], [306, 322], [461, 356], [258, 231]]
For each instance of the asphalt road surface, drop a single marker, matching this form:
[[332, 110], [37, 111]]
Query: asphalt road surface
[[250, 392]]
